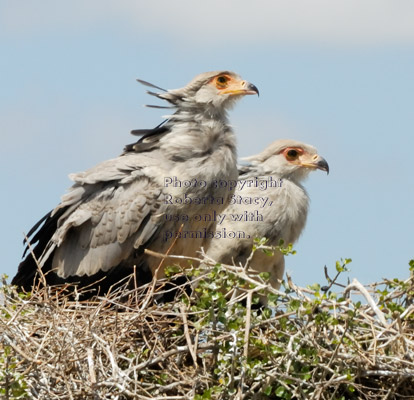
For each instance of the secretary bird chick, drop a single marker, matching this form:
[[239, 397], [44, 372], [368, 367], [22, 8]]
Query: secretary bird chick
[[117, 209], [276, 175]]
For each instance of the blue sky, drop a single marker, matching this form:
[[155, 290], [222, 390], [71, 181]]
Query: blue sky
[[334, 74]]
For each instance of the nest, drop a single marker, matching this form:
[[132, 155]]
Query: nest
[[214, 342]]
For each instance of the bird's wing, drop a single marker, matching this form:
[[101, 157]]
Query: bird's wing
[[112, 209]]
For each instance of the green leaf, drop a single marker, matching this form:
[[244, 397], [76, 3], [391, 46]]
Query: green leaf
[[267, 390]]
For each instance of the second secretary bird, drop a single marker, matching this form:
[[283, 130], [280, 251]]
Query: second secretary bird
[[271, 202]]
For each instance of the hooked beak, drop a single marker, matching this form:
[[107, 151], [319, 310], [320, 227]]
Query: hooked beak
[[240, 88], [317, 162]]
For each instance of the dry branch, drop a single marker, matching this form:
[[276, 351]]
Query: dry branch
[[309, 345]]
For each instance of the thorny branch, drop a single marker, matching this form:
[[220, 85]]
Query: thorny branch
[[309, 344]]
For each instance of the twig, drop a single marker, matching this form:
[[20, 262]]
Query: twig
[[91, 366], [187, 334], [355, 285], [155, 274], [248, 323]]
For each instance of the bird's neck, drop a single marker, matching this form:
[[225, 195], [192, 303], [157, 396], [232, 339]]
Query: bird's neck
[[202, 148], [201, 115], [289, 203], [199, 134]]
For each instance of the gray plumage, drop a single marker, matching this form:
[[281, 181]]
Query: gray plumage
[[283, 164], [117, 208]]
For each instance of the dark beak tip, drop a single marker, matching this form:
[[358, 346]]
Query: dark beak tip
[[324, 166], [254, 88]]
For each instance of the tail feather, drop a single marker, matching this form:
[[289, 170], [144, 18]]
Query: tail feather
[[36, 242]]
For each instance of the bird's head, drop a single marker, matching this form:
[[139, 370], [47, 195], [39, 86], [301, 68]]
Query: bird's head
[[217, 89], [289, 159]]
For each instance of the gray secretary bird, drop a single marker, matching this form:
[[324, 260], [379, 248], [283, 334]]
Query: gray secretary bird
[[270, 202], [119, 208]]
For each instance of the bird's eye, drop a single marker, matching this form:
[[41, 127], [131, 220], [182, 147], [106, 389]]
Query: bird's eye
[[291, 154], [221, 82]]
